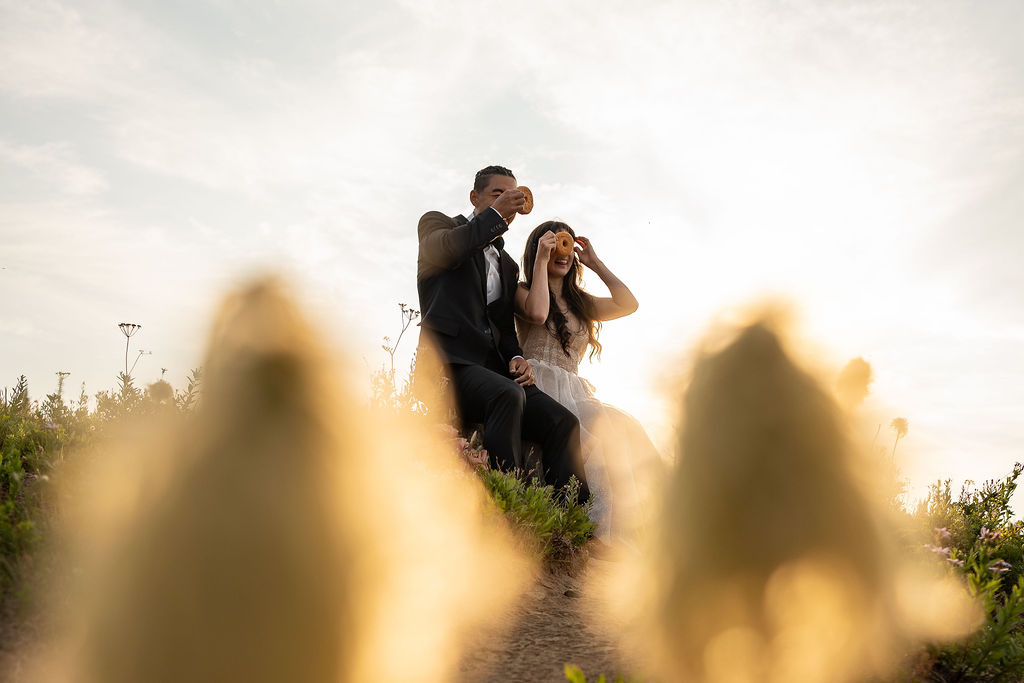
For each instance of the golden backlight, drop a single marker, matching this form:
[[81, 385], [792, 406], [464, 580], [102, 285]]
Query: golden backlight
[[285, 533]]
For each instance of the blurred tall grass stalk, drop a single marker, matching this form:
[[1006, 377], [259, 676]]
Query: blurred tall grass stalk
[[776, 558], [279, 532]]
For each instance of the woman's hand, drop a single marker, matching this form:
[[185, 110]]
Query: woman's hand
[[621, 302], [521, 371], [545, 245], [585, 252]]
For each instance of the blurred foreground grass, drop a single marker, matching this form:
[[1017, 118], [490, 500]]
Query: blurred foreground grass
[[973, 534], [40, 438]]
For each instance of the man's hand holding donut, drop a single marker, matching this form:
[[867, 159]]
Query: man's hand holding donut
[[521, 371], [509, 203]]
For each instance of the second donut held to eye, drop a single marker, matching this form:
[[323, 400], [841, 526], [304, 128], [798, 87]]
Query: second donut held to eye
[[563, 245]]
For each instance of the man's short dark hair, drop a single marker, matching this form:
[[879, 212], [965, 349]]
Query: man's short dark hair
[[480, 184]]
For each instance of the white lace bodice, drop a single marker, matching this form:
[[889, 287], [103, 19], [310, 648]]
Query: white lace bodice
[[539, 342]]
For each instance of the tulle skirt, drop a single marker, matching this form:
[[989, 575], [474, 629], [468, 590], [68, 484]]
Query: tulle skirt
[[616, 449]]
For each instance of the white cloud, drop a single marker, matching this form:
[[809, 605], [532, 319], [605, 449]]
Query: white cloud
[[57, 165], [82, 51], [21, 327]]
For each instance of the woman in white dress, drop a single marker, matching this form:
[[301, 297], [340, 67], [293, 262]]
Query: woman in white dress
[[557, 321]]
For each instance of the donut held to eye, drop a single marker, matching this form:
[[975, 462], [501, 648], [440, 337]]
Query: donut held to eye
[[563, 246], [528, 206]]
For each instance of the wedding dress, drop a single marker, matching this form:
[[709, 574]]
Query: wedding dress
[[615, 445]]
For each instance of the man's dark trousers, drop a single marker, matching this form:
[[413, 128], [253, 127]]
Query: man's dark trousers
[[508, 412]]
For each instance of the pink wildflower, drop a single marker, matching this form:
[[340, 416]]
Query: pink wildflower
[[1000, 567], [477, 457]]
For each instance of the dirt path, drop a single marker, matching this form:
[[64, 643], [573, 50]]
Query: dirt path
[[533, 642], [17, 636], [548, 629]]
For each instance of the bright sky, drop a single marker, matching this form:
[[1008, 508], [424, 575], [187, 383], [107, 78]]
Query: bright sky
[[864, 160]]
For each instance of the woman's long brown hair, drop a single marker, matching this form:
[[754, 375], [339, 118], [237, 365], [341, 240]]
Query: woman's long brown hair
[[580, 302]]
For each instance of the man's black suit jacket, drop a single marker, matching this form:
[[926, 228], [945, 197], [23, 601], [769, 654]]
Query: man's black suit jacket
[[451, 277]]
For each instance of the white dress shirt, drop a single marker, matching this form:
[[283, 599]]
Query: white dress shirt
[[493, 275], [493, 264]]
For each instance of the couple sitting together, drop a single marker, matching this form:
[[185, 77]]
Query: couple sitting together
[[524, 384]]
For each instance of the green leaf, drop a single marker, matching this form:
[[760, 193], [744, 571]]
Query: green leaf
[[574, 674]]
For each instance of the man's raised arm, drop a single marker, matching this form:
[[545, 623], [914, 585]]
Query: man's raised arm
[[443, 246]]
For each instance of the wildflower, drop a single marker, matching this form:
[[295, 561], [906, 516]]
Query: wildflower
[[942, 551], [900, 426], [1000, 567], [477, 457], [942, 534], [955, 562]]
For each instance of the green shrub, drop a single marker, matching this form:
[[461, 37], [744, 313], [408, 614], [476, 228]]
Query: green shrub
[[25, 444], [555, 524], [996, 651], [34, 439], [977, 536]]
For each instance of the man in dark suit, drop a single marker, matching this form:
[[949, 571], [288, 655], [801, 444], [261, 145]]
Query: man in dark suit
[[467, 287]]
